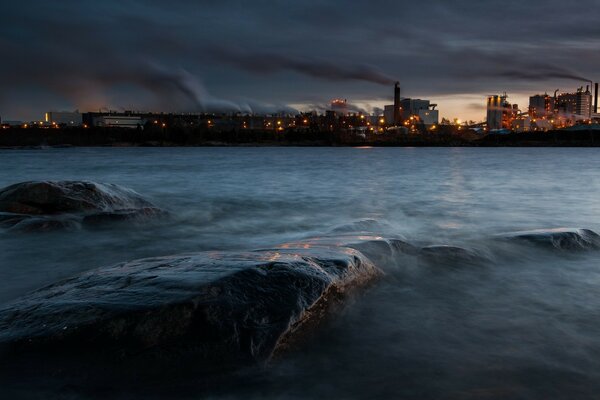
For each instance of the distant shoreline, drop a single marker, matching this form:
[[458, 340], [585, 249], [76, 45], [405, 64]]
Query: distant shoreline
[[119, 137]]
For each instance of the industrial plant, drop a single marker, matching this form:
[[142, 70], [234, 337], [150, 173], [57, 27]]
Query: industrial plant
[[561, 110], [545, 112]]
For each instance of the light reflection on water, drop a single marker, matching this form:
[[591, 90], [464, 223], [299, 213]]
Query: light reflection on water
[[527, 326]]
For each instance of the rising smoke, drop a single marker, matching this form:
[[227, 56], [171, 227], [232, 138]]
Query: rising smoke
[[266, 63]]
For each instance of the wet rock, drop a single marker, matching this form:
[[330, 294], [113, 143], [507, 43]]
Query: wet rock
[[450, 256], [382, 251], [40, 224], [51, 205], [214, 307], [124, 215], [8, 220], [571, 239]]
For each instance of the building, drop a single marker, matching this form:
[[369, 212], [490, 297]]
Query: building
[[578, 104], [421, 109], [118, 121], [541, 106], [500, 113], [64, 118], [429, 117], [583, 104]]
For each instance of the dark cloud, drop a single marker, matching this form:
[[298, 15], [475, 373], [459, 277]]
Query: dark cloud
[[261, 56], [265, 63]]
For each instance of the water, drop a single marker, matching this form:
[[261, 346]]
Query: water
[[526, 326]]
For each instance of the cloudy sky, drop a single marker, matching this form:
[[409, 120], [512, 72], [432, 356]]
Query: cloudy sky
[[261, 56]]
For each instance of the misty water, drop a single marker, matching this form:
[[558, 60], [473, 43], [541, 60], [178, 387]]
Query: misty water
[[526, 324]]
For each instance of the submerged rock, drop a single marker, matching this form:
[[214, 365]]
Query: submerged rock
[[217, 307], [450, 255], [49, 205], [572, 239], [382, 251]]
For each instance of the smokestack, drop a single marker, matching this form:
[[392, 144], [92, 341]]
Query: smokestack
[[596, 99], [397, 103]]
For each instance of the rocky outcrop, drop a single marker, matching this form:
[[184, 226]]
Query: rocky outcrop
[[216, 307], [48, 205], [570, 239]]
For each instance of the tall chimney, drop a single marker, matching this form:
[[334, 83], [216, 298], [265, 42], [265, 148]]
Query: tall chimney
[[596, 99], [397, 103]]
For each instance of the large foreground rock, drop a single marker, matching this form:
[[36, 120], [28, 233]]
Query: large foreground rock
[[217, 307], [51, 205]]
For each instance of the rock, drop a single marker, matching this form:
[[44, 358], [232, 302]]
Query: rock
[[572, 239], [40, 224], [214, 307], [123, 215], [65, 204], [382, 251], [450, 256], [8, 220]]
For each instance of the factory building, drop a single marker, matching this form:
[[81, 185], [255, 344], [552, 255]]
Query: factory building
[[541, 105], [64, 118], [584, 103], [578, 104], [500, 113], [389, 114], [423, 110], [118, 121]]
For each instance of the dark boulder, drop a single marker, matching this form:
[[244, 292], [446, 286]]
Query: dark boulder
[[570, 239], [65, 204], [217, 308]]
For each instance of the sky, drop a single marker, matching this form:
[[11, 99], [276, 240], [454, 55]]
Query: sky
[[269, 56]]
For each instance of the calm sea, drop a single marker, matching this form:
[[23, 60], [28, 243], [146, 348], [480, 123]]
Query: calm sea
[[527, 326]]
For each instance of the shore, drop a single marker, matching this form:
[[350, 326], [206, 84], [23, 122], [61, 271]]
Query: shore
[[17, 138]]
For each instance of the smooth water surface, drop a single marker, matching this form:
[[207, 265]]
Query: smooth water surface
[[527, 326]]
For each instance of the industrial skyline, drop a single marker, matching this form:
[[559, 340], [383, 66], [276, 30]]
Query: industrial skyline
[[231, 56]]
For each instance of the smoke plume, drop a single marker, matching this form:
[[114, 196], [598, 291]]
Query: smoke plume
[[264, 63]]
